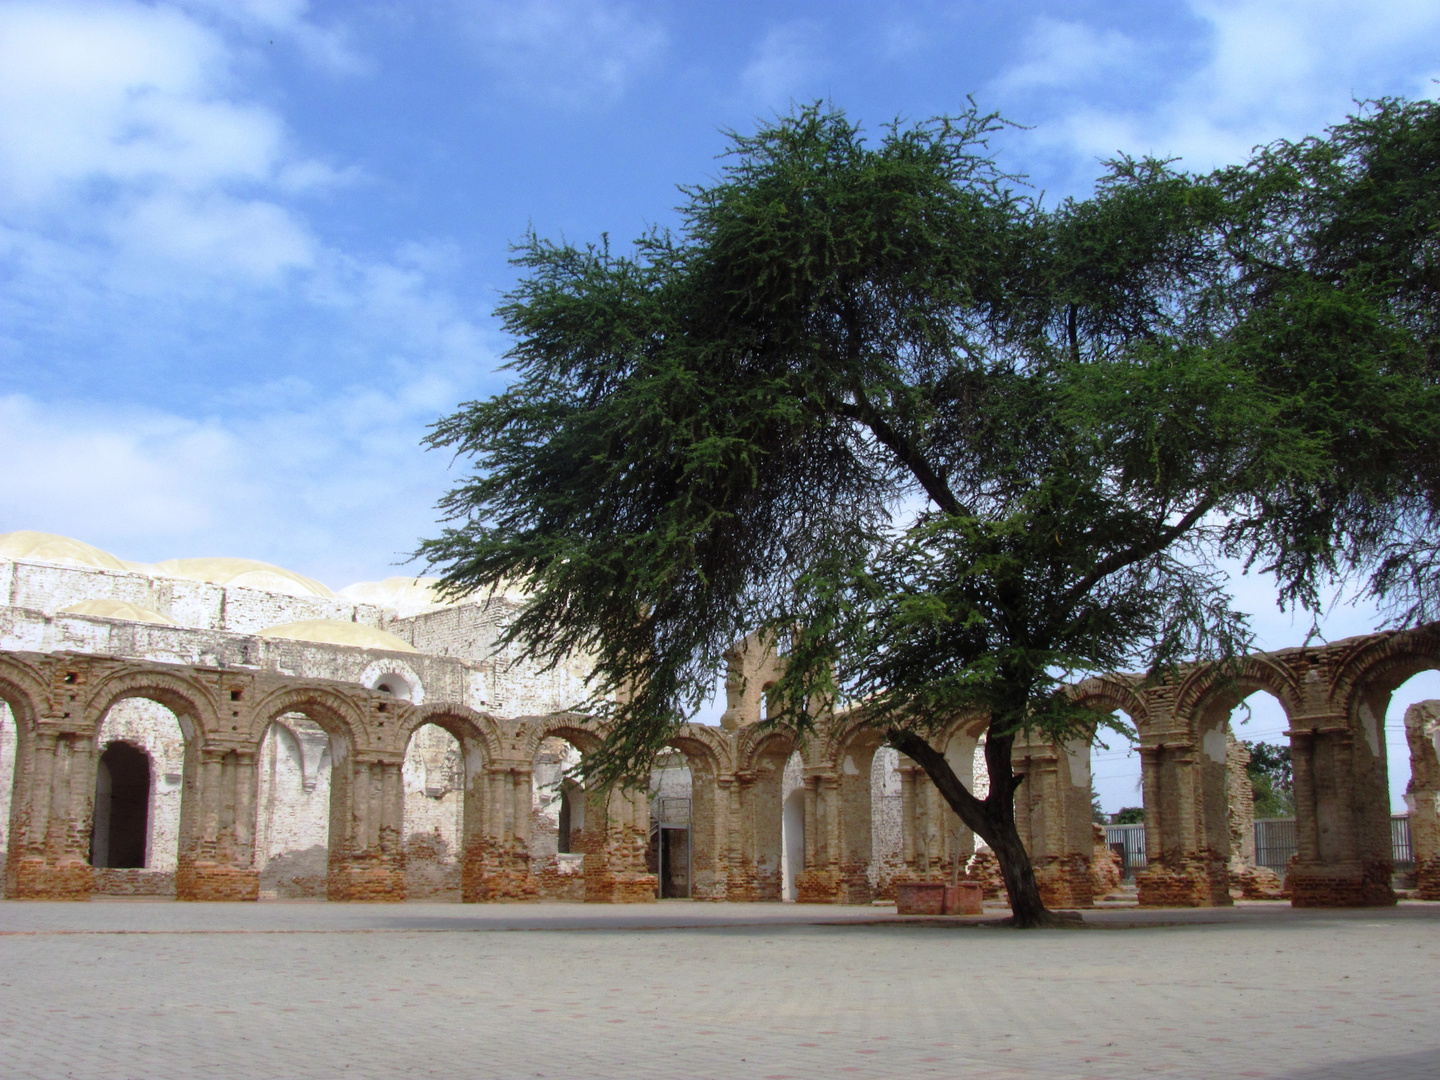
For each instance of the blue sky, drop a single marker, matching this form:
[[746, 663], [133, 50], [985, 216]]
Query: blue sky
[[250, 248]]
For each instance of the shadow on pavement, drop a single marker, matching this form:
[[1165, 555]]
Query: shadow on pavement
[[1420, 1065]]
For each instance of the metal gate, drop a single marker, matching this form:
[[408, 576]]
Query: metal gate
[[1128, 842]]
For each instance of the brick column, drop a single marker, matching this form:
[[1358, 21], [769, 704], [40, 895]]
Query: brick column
[[818, 882], [615, 870], [1342, 812], [217, 858], [1185, 850], [54, 855], [371, 866], [1422, 732]]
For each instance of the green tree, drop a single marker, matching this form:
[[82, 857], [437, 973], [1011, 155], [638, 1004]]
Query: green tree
[[948, 448], [1270, 776]]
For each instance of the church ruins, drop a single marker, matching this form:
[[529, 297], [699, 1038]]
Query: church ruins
[[222, 729]]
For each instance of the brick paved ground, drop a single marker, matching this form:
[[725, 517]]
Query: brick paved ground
[[120, 990]]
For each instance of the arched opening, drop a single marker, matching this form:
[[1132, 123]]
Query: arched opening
[[669, 855], [1400, 723], [1117, 796], [120, 833], [9, 743], [292, 829], [785, 857], [1115, 772], [1241, 749], [139, 787], [557, 825], [792, 859], [434, 776], [887, 826], [572, 819]]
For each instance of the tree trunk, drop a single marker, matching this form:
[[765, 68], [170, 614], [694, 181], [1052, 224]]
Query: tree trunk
[[992, 819]]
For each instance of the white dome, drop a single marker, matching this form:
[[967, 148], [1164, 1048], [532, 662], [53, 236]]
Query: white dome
[[245, 573], [49, 547], [336, 632], [116, 609], [403, 595]]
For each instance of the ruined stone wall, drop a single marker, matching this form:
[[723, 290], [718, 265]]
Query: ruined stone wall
[[514, 686], [433, 678], [292, 834], [559, 875], [1422, 797], [7, 779], [151, 727], [1240, 794], [434, 779], [887, 844], [48, 587]]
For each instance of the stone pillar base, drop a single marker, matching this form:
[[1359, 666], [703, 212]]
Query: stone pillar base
[[492, 875], [1345, 885], [216, 881], [35, 879], [1427, 879], [742, 885], [818, 886], [607, 887], [1064, 882], [359, 884], [1195, 881]]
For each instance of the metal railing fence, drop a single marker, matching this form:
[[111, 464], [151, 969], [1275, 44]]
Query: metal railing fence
[[1127, 841]]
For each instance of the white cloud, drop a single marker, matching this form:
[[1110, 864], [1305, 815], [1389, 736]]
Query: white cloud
[[119, 126], [1270, 69], [325, 47], [334, 485], [570, 53], [1064, 54], [786, 63]]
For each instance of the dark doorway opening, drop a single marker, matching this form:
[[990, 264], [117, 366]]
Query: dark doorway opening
[[122, 807], [563, 840], [670, 854]]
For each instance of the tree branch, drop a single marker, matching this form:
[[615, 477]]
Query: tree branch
[[927, 476], [1130, 556], [970, 809]]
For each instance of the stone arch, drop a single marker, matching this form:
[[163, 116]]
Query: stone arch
[[175, 770], [762, 754], [23, 690], [559, 824], [469, 726], [338, 713], [863, 835], [708, 756], [1375, 667], [443, 817], [757, 745], [192, 702], [358, 814], [580, 731], [1109, 693], [1210, 690], [1342, 775]]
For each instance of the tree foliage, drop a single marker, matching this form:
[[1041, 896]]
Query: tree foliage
[[951, 449], [1271, 779]]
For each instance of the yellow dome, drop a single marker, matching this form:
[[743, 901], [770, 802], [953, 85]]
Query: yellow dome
[[245, 573], [116, 609], [403, 595], [48, 547], [335, 632]]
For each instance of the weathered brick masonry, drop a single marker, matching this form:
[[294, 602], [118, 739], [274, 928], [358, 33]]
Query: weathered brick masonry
[[434, 769]]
